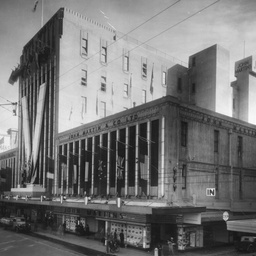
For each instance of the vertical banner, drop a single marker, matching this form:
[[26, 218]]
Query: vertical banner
[[86, 174], [38, 127], [26, 127], [74, 174]]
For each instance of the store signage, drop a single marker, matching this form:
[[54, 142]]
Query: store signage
[[243, 65], [225, 216], [116, 122], [210, 191]]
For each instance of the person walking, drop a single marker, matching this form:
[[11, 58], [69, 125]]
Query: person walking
[[121, 235], [171, 245]]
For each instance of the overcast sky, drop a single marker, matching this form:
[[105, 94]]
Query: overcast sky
[[187, 27]]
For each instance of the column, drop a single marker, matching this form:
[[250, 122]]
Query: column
[[162, 158], [108, 165], [137, 161], [68, 156], [93, 156], [148, 159], [79, 169], [117, 139], [126, 160]]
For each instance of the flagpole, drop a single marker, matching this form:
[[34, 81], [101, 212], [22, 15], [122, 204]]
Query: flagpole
[[42, 15]]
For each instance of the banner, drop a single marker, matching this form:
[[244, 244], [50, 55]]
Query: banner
[[86, 174], [26, 128], [38, 127]]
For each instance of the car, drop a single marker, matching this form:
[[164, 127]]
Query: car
[[247, 243], [17, 224]]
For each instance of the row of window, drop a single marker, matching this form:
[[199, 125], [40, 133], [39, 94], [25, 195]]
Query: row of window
[[126, 59], [184, 139]]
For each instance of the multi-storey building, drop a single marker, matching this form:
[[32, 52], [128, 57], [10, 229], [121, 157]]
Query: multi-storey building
[[97, 129]]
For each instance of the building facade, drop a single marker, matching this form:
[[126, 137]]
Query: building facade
[[99, 138]]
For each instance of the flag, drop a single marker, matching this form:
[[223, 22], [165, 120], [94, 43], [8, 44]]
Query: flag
[[86, 172], [35, 5], [101, 174], [2, 141], [64, 171], [143, 166], [152, 80], [120, 167], [74, 174], [70, 113], [112, 95], [50, 176], [97, 104], [131, 85]]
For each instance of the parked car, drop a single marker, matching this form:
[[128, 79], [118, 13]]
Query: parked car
[[247, 243], [17, 224]]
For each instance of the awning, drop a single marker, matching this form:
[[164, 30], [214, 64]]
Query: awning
[[247, 226]]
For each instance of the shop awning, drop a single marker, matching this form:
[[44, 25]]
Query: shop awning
[[247, 226]]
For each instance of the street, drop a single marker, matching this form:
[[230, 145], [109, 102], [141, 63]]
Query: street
[[19, 244]]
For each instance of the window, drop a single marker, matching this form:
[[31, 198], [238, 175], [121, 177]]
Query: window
[[184, 176], [84, 77], [184, 133], [102, 109], [217, 179], [144, 96], [103, 52], [84, 43], [84, 106], [179, 85], [144, 68], [239, 146], [125, 90], [126, 61], [103, 86], [164, 78], [216, 141], [193, 89]]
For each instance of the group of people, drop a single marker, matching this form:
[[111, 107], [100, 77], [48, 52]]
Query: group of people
[[114, 240]]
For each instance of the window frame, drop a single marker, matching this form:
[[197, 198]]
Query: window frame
[[184, 134]]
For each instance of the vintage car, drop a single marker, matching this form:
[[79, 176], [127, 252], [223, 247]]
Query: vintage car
[[247, 243], [17, 224]]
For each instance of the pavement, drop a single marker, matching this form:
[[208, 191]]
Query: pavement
[[97, 246]]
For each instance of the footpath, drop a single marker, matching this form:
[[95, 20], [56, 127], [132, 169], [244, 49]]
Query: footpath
[[96, 245]]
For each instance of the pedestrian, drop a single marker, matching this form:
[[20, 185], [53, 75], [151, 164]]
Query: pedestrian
[[87, 229], [115, 235], [121, 235], [171, 245], [64, 226]]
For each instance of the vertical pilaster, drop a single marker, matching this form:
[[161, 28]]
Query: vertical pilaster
[[126, 160], [162, 157], [137, 161]]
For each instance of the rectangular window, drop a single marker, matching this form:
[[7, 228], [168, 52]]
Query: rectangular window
[[164, 78], [144, 68], [239, 146], [103, 51], [84, 77], [184, 176], [184, 134], [216, 141], [144, 96], [102, 109], [126, 61], [84, 43], [179, 85], [217, 179], [103, 86], [84, 106], [126, 90]]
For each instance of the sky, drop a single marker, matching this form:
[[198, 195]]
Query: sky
[[182, 28]]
